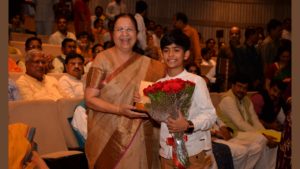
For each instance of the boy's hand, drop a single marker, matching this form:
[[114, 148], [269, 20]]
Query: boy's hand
[[178, 125]]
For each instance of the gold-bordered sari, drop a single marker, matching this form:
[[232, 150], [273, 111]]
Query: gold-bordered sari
[[117, 141]]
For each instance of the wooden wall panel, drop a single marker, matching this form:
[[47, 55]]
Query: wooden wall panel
[[210, 15]]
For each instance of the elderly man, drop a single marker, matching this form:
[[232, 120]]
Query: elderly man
[[62, 32], [236, 111], [35, 84], [71, 85], [67, 46]]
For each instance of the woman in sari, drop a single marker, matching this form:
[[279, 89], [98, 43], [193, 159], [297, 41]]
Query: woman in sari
[[118, 137]]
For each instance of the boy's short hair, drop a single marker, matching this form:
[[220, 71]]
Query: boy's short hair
[[177, 37]]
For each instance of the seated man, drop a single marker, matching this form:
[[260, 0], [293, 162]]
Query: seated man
[[236, 111], [62, 31], [245, 154], [67, 46], [269, 105], [71, 85], [35, 84]]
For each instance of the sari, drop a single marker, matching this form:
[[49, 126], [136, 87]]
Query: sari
[[115, 141]]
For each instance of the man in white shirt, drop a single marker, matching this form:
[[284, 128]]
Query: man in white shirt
[[35, 84], [67, 46], [62, 32], [71, 85], [237, 112], [245, 154], [141, 9]]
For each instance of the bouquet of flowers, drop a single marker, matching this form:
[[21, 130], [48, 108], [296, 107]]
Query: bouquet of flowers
[[168, 98]]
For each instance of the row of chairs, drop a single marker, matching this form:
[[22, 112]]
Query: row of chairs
[[54, 50]]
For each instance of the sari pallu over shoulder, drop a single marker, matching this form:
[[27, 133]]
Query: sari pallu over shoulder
[[109, 135]]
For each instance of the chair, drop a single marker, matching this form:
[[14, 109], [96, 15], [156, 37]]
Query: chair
[[66, 109], [54, 50], [44, 116], [41, 114]]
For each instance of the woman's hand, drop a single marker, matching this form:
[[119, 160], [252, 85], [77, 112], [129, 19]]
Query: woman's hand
[[136, 97], [178, 125], [128, 111]]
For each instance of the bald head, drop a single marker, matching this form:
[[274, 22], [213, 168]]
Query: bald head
[[234, 35]]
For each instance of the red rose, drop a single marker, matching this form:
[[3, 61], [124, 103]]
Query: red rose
[[173, 86]]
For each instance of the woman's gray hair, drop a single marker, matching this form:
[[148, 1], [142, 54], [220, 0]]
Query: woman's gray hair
[[29, 54]]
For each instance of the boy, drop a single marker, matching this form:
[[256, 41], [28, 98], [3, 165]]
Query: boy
[[175, 47]]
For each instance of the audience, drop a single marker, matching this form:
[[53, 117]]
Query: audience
[[99, 14], [208, 61], [30, 43], [270, 45], [35, 84], [225, 67], [67, 46], [281, 67], [287, 29], [269, 103], [17, 24], [101, 35], [63, 8], [248, 62], [84, 46], [114, 8], [181, 22], [259, 64], [237, 112], [210, 46], [97, 48], [245, 154], [82, 16], [140, 13], [44, 16], [62, 32], [70, 85], [12, 66]]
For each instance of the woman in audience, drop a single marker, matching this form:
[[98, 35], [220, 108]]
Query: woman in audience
[[210, 46], [281, 68], [117, 135]]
